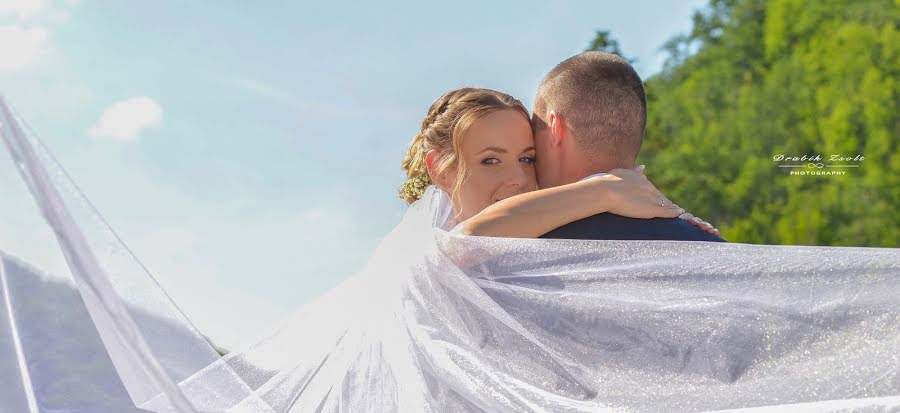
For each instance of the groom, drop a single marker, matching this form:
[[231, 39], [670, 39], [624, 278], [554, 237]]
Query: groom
[[589, 117]]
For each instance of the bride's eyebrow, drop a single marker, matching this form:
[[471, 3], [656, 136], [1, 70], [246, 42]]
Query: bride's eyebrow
[[492, 148], [501, 150]]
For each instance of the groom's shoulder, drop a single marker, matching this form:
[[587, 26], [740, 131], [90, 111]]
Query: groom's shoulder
[[608, 226]]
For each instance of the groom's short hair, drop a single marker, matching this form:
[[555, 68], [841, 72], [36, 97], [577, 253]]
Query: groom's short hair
[[603, 100]]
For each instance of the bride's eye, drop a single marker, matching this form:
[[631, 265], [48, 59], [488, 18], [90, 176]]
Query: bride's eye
[[527, 159], [490, 161]]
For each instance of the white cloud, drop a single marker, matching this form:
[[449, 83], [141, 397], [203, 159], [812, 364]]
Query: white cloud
[[20, 47], [21, 9], [124, 120], [24, 36]]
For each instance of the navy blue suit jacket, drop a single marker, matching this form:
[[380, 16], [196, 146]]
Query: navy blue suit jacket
[[616, 227]]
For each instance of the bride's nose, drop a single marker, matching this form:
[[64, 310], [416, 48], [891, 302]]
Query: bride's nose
[[515, 182]]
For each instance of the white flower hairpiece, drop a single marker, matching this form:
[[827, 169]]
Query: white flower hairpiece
[[415, 186]]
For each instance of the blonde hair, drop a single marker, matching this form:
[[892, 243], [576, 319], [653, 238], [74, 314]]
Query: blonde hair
[[442, 130]]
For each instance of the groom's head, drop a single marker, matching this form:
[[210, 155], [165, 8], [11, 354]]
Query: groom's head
[[589, 116]]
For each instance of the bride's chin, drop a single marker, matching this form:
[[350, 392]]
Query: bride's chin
[[495, 200]]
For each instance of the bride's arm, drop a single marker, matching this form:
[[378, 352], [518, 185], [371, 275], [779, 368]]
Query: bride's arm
[[532, 214]]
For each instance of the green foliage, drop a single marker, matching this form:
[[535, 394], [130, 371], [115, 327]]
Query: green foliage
[[758, 78]]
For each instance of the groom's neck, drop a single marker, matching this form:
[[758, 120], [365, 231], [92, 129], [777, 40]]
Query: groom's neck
[[576, 172]]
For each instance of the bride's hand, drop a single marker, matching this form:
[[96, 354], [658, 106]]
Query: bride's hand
[[699, 223], [634, 196]]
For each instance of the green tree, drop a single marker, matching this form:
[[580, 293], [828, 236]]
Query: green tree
[[758, 78]]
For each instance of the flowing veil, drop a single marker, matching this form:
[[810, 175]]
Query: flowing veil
[[440, 322]]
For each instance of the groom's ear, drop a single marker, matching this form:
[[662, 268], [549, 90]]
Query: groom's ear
[[559, 129]]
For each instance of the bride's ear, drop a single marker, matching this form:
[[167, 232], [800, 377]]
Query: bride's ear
[[431, 162]]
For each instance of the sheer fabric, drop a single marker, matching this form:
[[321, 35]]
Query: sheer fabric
[[439, 322]]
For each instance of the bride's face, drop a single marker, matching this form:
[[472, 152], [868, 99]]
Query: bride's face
[[498, 151]]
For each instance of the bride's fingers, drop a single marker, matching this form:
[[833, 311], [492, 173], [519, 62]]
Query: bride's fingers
[[706, 226], [668, 212], [671, 206], [663, 200], [640, 169], [699, 223]]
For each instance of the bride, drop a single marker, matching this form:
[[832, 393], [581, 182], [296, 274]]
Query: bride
[[458, 310]]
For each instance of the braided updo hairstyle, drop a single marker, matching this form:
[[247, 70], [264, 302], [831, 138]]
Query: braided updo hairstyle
[[443, 129]]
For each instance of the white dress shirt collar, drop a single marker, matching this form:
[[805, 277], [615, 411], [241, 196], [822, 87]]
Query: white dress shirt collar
[[591, 176]]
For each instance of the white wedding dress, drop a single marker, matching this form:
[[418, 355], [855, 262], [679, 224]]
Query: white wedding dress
[[441, 322]]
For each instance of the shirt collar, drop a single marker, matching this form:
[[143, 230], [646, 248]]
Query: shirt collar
[[592, 176]]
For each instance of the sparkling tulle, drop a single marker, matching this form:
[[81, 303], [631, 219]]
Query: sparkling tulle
[[441, 322]]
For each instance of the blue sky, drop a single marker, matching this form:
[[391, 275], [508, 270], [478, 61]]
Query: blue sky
[[252, 153]]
